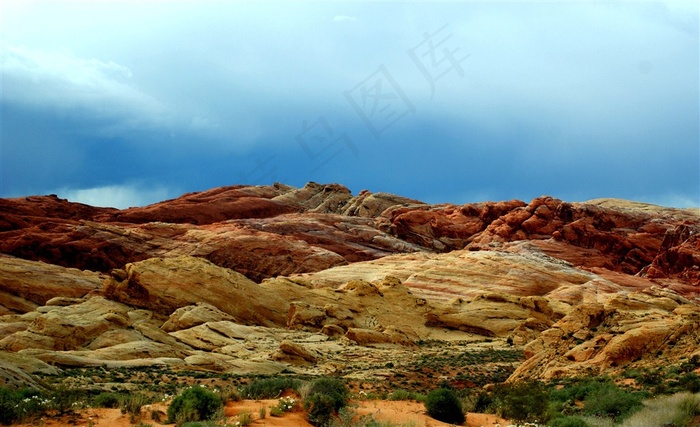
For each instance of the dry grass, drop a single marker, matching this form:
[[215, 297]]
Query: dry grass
[[677, 410]]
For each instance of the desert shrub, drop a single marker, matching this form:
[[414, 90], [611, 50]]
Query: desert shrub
[[569, 421], [287, 404], [194, 404], [106, 400], [202, 424], [269, 388], [483, 402], [64, 400], [521, 402], [650, 377], [444, 405], [8, 402], [131, 404], [401, 394], [690, 381], [325, 397], [578, 390], [230, 394], [609, 400], [244, 419], [678, 410], [20, 405], [691, 364]]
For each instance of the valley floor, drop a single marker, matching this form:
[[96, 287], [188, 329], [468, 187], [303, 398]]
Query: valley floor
[[394, 411]]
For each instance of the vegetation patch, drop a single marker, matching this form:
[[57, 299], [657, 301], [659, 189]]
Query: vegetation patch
[[444, 405], [194, 404], [325, 398]]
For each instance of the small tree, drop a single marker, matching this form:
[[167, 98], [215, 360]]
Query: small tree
[[444, 405]]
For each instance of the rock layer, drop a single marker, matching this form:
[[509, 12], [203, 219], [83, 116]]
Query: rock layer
[[270, 278]]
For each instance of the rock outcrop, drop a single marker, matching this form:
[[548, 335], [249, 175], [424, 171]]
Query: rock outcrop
[[612, 334], [262, 279], [164, 285]]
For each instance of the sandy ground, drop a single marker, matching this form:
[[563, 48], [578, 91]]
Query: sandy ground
[[397, 411]]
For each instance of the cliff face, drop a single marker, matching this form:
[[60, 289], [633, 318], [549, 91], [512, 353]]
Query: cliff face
[[247, 276]]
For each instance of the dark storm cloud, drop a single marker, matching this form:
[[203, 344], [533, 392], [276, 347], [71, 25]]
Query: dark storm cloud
[[474, 100]]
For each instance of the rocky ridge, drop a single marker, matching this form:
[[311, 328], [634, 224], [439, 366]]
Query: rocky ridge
[[272, 278]]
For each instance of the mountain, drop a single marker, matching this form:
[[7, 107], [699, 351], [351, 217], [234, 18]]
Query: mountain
[[269, 279]]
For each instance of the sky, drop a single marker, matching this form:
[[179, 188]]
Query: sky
[[129, 103]]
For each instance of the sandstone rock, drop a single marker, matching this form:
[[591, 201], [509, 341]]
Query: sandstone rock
[[302, 315], [67, 359], [13, 377], [372, 205], [448, 227], [679, 255], [194, 315], [28, 284], [294, 353], [367, 336], [203, 338], [333, 331], [211, 206], [635, 343], [465, 274], [22, 212], [359, 288], [590, 287], [134, 350], [494, 315], [227, 364], [69, 328], [164, 285], [235, 227], [614, 334]]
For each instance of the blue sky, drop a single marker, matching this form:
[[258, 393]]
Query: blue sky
[[128, 103]]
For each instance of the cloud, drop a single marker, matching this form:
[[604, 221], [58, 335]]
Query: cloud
[[116, 196], [596, 100], [65, 83]]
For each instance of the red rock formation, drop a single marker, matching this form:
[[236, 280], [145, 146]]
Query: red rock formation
[[266, 231], [219, 204], [254, 230], [679, 256], [446, 227]]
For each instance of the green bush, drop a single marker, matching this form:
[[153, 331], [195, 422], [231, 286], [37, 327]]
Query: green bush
[[320, 409], [521, 402], [574, 421], [577, 391], [194, 404], [326, 397], [444, 405], [8, 406], [401, 394], [690, 382], [609, 400], [106, 400], [269, 388]]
